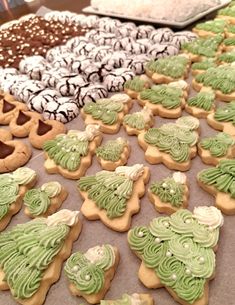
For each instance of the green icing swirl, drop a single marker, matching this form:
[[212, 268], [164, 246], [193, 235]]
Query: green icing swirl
[[179, 249], [228, 57], [230, 41], [173, 140], [164, 95], [67, 151], [218, 145], [204, 65], [231, 28], [216, 26], [220, 78], [23, 175], [135, 120], [9, 192], [203, 100], [125, 300], [89, 276], [136, 84], [26, 251], [204, 46], [169, 191], [112, 150], [37, 201], [105, 110], [173, 66], [109, 191], [226, 113], [227, 11], [222, 177]]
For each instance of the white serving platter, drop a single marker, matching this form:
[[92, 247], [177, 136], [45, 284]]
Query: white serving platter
[[175, 24]]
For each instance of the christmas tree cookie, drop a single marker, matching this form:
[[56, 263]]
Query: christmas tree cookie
[[44, 201], [71, 154], [170, 194], [169, 69], [230, 30], [202, 104], [203, 48], [134, 299], [220, 182], [13, 186], [90, 273], [8, 110], [221, 79], [223, 119], [134, 86], [108, 113], [113, 153], [202, 66], [228, 44], [210, 28], [177, 252], [163, 100], [113, 197], [228, 14], [137, 122], [173, 144], [227, 57], [213, 149], [32, 254]]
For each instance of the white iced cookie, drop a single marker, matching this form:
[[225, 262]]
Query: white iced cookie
[[210, 216]]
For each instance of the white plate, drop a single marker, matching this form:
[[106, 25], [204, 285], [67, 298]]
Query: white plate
[[176, 24]]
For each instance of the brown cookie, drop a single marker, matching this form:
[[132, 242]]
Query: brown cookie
[[23, 122], [44, 131], [13, 154], [8, 109], [5, 135]]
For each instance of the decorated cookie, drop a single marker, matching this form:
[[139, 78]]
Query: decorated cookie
[[9, 109], [135, 298], [203, 48], [44, 201], [13, 154], [219, 181], [51, 240], [213, 149], [5, 135], [90, 273], [166, 70], [116, 79], [210, 28], [220, 79], [136, 85], [90, 93], [178, 252], [230, 30], [173, 144], [113, 197], [170, 194], [228, 44], [227, 14], [108, 113], [201, 105], [137, 122], [113, 153], [44, 131], [223, 119], [23, 122], [12, 188], [202, 66], [164, 100], [70, 154], [227, 57]]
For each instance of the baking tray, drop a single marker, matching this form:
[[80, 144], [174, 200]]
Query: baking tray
[[174, 24]]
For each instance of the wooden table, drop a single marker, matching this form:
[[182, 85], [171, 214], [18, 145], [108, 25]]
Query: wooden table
[[32, 7]]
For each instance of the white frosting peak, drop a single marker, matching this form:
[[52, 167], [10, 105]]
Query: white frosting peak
[[95, 254], [179, 177], [122, 140], [120, 97], [136, 300], [210, 216], [182, 84], [63, 217], [91, 131], [131, 172], [147, 114]]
